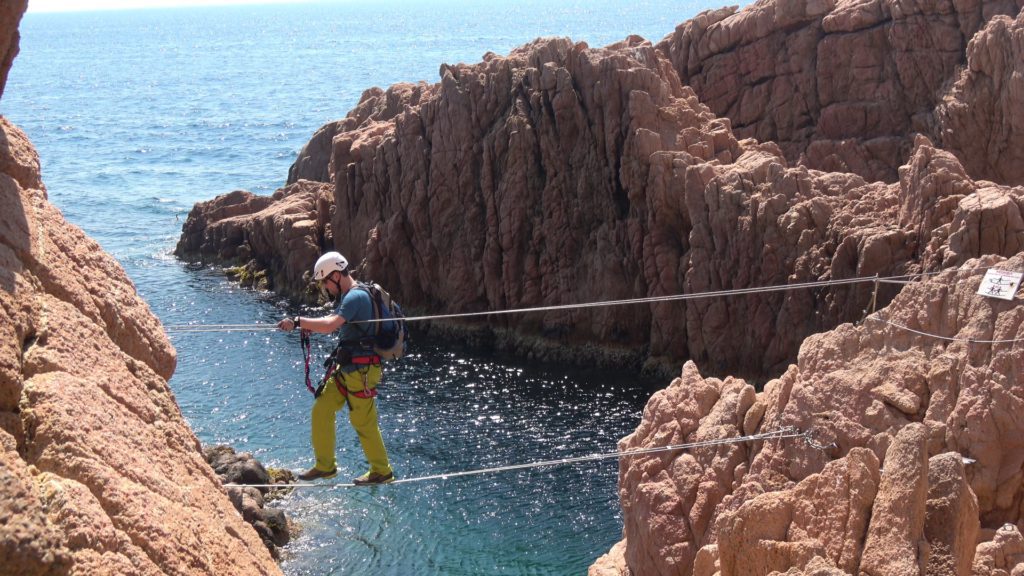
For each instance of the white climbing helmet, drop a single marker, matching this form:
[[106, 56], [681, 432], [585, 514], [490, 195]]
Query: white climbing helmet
[[329, 262]]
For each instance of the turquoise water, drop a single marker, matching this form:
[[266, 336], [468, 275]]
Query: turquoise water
[[139, 114]]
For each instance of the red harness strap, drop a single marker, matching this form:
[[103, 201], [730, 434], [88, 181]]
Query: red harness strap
[[359, 361], [364, 394]]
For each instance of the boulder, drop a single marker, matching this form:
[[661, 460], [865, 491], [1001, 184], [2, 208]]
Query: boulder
[[232, 467], [895, 541], [951, 517]]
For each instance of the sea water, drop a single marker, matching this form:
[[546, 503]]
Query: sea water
[[139, 114]]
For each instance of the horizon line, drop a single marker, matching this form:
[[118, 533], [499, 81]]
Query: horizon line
[[70, 6]]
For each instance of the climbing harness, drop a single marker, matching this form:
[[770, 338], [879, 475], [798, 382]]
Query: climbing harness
[[339, 379], [780, 434], [340, 357]]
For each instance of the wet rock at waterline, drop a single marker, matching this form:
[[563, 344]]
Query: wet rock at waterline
[[232, 467]]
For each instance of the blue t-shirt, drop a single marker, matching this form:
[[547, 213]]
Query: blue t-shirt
[[355, 306]]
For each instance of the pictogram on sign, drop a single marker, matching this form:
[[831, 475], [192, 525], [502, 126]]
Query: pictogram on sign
[[1000, 284]]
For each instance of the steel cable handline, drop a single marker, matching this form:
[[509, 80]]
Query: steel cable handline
[[946, 338], [646, 300], [187, 328], [781, 433]]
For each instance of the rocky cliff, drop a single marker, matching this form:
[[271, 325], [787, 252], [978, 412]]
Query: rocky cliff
[[916, 406], [844, 85], [786, 142], [99, 472], [563, 174], [921, 465]]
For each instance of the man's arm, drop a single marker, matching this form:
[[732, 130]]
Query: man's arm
[[323, 325]]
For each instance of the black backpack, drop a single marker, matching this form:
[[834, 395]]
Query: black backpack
[[390, 334]]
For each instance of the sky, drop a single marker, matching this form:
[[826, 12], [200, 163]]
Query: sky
[[83, 5]]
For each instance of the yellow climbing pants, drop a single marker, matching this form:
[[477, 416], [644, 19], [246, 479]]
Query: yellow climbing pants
[[362, 413]]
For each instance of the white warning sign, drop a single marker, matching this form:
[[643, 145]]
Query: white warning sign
[[1000, 284]]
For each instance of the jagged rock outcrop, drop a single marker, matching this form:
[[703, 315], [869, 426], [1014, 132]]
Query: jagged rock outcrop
[[99, 472], [313, 162], [844, 85], [979, 117], [923, 477], [478, 198], [10, 17], [564, 174], [463, 195], [276, 236]]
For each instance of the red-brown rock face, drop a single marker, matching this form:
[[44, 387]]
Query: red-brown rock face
[[565, 174], [99, 473], [516, 182], [979, 117], [281, 234], [10, 16], [524, 181], [843, 85], [927, 450]]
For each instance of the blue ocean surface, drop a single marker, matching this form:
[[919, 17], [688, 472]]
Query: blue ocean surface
[[139, 114]]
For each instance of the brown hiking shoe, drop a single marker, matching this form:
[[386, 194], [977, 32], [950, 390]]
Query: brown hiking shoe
[[315, 473], [374, 478]]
